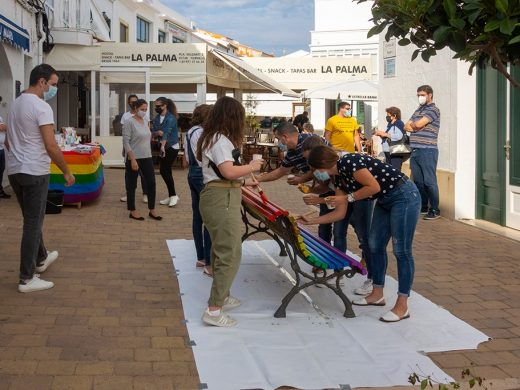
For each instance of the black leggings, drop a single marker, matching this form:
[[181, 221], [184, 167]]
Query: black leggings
[[148, 174], [165, 167]]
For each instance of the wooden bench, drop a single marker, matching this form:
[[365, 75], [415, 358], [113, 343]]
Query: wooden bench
[[329, 264]]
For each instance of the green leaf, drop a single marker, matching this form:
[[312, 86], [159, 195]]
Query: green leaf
[[457, 42], [472, 16], [403, 42], [471, 383], [426, 58], [507, 26], [424, 383], [502, 5], [441, 33], [492, 25], [470, 7], [377, 29], [458, 23], [451, 8], [515, 40], [414, 56]]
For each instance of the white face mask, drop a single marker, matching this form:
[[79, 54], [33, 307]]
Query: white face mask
[[142, 114], [422, 100]]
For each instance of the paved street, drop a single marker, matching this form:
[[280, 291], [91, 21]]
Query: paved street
[[114, 318]]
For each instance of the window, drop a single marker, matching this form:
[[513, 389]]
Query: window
[[123, 32], [143, 30], [162, 37], [176, 40]]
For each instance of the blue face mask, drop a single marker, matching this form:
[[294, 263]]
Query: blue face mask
[[48, 95], [348, 113], [282, 147], [321, 176]]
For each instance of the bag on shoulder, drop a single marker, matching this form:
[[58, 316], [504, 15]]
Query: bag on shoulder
[[401, 147]]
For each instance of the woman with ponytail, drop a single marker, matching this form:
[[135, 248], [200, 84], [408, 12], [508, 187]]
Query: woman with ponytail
[[165, 127]]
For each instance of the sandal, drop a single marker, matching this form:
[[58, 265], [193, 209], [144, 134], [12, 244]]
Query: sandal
[[200, 264], [206, 272]]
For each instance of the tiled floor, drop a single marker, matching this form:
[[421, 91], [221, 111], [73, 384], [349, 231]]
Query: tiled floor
[[114, 318]]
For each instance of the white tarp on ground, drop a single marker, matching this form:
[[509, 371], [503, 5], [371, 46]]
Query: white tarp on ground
[[310, 349]]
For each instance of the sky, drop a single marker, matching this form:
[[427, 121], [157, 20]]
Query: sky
[[275, 26]]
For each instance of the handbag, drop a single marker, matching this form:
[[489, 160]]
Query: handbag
[[401, 147]]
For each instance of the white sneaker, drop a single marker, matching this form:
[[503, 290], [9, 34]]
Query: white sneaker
[[123, 198], [165, 201], [145, 198], [34, 284], [51, 258], [365, 289], [231, 302], [222, 320], [173, 201]]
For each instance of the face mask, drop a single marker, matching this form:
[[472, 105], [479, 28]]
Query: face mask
[[158, 110], [388, 118], [321, 176], [48, 95], [282, 147], [348, 113], [422, 100], [142, 114]]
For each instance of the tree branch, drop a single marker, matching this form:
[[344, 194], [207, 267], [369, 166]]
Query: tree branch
[[492, 51]]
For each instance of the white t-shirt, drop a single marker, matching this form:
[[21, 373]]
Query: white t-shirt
[[27, 152], [127, 115], [2, 136], [220, 152]]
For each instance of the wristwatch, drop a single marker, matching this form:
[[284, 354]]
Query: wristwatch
[[350, 198]]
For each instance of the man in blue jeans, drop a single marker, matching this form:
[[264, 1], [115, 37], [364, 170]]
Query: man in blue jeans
[[424, 128]]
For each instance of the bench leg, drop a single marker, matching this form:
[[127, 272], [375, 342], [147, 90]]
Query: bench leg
[[280, 312]]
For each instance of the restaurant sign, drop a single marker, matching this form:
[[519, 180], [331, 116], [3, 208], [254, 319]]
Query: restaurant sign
[[175, 30], [310, 72]]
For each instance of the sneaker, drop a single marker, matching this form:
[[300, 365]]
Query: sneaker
[[122, 199], [34, 284], [365, 289], [173, 201], [432, 214], [222, 320], [424, 210], [51, 258], [4, 195], [165, 201], [145, 198], [231, 302]]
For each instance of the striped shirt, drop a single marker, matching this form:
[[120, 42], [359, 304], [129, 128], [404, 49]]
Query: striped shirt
[[294, 157], [427, 136]]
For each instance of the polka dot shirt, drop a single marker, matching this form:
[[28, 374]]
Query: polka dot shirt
[[386, 175]]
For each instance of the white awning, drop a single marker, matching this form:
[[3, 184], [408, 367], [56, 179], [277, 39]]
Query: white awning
[[253, 77], [348, 90], [74, 57]]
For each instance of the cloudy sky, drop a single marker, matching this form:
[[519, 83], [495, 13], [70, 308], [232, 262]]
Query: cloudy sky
[[274, 26]]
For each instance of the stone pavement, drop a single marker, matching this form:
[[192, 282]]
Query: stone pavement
[[114, 318]]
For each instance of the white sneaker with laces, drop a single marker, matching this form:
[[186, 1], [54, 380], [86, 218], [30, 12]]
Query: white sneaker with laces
[[34, 284], [173, 201], [123, 198], [231, 302], [145, 198], [365, 289], [223, 320], [51, 258], [165, 201]]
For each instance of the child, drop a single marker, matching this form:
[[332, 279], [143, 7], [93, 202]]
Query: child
[[220, 201]]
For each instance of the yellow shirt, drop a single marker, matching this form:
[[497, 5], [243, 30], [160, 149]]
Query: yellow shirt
[[342, 132]]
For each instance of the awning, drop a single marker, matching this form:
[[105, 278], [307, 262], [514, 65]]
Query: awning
[[74, 57], [14, 35], [253, 77], [348, 90]]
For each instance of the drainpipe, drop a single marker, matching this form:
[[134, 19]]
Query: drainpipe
[[42, 37]]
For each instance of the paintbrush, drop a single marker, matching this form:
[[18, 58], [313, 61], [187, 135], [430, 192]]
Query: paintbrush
[[260, 191]]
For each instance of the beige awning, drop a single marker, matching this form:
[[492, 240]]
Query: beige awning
[[74, 57], [249, 78]]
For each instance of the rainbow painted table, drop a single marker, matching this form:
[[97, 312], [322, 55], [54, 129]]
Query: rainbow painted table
[[87, 168]]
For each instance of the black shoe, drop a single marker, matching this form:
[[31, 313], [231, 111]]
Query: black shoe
[[424, 210], [156, 217], [4, 195], [432, 214], [136, 218]]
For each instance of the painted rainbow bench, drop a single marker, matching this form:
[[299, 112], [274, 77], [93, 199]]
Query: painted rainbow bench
[[329, 264]]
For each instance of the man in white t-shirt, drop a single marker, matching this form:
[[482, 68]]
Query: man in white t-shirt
[[31, 146], [3, 129]]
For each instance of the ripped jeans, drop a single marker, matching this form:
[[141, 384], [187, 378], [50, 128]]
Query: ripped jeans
[[395, 216]]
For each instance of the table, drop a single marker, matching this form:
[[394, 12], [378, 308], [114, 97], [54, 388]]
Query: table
[[87, 168], [266, 150]]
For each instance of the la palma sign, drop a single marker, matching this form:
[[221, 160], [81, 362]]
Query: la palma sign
[[154, 58]]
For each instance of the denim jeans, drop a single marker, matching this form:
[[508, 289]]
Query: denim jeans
[[31, 193], [200, 233], [148, 173], [396, 162], [395, 216], [2, 169], [423, 164], [338, 230]]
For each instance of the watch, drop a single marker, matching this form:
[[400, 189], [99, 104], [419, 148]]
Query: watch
[[350, 198]]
